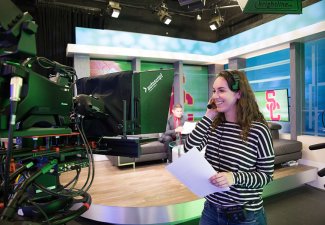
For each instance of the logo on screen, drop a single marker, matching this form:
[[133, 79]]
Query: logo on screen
[[152, 84], [272, 104]]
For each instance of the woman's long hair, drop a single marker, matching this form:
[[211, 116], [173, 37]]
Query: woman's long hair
[[247, 108]]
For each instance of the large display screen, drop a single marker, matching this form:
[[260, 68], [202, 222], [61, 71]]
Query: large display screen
[[273, 104]]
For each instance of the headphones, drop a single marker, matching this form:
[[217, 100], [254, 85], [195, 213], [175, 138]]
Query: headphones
[[236, 79]]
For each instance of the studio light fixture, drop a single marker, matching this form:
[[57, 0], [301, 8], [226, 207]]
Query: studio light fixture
[[216, 22], [114, 9], [198, 17], [163, 14]]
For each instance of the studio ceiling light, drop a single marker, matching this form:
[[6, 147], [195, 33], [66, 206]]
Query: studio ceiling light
[[164, 15], [216, 22], [114, 9]]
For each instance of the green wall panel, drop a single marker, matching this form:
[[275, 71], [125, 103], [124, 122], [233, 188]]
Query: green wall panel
[[195, 85]]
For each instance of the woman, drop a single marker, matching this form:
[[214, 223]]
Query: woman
[[239, 147]]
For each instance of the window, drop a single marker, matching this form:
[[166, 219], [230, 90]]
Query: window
[[314, 105]]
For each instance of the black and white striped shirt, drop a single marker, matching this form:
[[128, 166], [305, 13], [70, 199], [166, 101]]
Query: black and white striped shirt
[[251, 161]]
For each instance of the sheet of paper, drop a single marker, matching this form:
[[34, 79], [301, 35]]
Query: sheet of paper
[[188, 127], [194, 171]]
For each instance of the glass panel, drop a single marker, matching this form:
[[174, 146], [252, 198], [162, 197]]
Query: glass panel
[[270, 72], [314, 88]]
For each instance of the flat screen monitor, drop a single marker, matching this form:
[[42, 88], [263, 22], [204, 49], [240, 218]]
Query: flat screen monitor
[[274, 104]]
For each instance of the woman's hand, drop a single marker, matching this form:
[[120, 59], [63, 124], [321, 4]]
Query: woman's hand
[[222, 179], [213, 111]]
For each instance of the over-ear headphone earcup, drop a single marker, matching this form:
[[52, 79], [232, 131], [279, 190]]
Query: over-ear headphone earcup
[[235, 77], [235, 86]]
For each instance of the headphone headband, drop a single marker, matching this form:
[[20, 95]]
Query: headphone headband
[[236, 78]]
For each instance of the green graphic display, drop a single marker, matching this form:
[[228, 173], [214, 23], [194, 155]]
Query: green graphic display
[[274, 6], [196, 94], [273, 104]]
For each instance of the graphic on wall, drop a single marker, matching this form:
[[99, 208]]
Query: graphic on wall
[[100, 67], [189, 101], [195, 79]]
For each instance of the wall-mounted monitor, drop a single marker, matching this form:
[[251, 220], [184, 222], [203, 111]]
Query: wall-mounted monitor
[[274, 104]]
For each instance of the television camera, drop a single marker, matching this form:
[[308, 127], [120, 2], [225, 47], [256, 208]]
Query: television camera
[[40, 133], [45, 131]]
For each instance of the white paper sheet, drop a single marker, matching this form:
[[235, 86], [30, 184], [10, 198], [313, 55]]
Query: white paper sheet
[[188, 127], [194, 171]]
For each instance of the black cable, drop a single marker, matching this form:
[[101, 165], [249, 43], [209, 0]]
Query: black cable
[[19, 196], [62, 216], [75, 179], [70, 215], [17, 172], [40, 210], [2, 163], [91, 168], [59, 192], [60, 68], [13, 106]]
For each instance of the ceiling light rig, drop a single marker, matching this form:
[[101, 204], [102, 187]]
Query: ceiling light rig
[[216, 22], [113, 9], [163, 14], [198, 16]]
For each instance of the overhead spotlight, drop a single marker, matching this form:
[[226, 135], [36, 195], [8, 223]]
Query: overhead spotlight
[[164, 15], [114, 9], [216, 22], [198, 17]]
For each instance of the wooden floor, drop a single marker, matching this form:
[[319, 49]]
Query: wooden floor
[[146, 185]]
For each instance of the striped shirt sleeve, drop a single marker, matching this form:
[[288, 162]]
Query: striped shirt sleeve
[[198, 137], [263, 173]]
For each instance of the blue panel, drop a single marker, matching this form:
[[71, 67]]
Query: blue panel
[[111, 38], [312, 14], [269, 71], [268, 58], [314, 87]]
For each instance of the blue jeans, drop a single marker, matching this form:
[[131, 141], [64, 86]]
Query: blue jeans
[[214, 215]]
